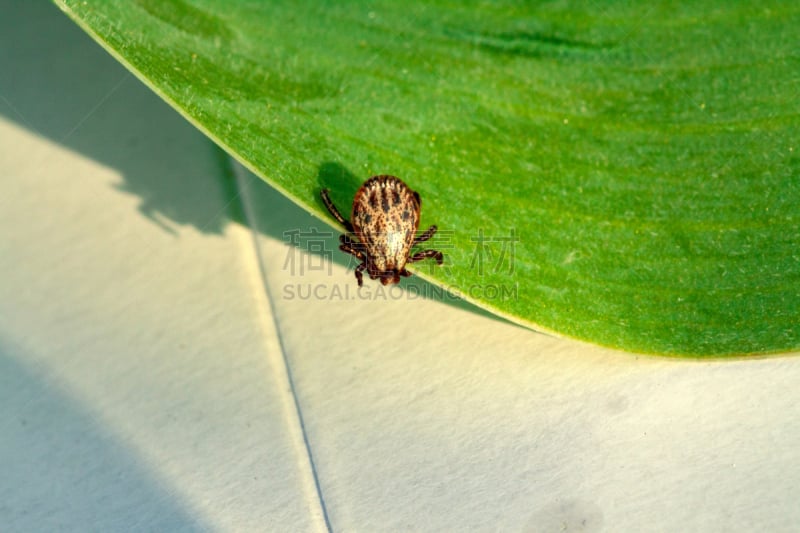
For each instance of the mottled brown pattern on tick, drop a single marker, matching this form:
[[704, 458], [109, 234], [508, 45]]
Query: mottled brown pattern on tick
[[384, 221], [378, 224]]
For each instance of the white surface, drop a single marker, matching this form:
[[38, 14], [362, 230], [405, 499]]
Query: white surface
[[141, 381], [142, 359]]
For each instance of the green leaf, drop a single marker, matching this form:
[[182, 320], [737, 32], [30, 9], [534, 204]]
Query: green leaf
[[645, 154]]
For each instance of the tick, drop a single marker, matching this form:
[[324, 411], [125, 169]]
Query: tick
[[385, 219]]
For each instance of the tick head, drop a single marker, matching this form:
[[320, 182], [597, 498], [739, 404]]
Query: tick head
[[387, 276], [390, 277]]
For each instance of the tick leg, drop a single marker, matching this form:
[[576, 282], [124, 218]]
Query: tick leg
[[335, 212], [425, 236], [352, 250], [424, 254], [346, 244], [405, 273], [347, 239], [359, 276], [352, 247]]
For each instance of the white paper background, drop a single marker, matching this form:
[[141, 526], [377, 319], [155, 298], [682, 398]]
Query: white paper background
[[159, 370]]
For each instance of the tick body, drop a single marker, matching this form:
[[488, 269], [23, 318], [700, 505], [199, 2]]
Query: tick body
[[383, 229]]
